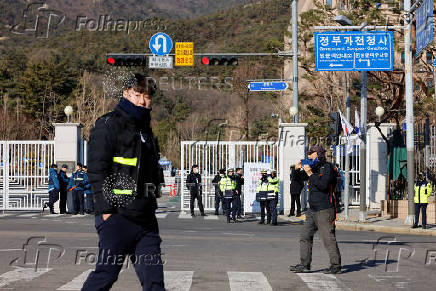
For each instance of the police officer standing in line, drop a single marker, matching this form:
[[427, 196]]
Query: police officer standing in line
[[321, 214], [193, 182], [273, 197], [238, 193], [77, 184], [423, 190], [122, 142], [262, 197], [218, 193], [297, 184], [228, 187], [53, 189], [63, 182], [89, 198]]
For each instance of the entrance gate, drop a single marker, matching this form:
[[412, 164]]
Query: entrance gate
[[24, 170], [211, 156]]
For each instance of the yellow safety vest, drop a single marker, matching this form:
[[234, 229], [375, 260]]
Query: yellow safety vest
[[262, 186], [422, 193], [227, 183], [273, 184]]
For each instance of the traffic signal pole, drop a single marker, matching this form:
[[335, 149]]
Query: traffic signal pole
[[295, 56], [347, 159]]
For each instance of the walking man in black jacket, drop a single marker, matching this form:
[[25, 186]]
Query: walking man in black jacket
[[193, 182], [123, 162], [321, 214]]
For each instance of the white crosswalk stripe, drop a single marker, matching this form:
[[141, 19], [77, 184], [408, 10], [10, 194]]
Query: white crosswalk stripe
[[320, 282], [28, 215], [161, 215], [5, 214], [178, 280], [53, 215], [250, 281], [211, 217], [185, 216], [77, 282], [21, 274]]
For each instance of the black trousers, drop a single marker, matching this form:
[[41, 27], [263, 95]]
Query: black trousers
[[196, 195], [324, 221], [265, 205], [418, 207], [119, 237], [295, 199], [79, 201], [53, 196], [229, 207], [63, 201], [219, 199]]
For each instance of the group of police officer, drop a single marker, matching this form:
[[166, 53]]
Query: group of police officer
[[74, 192]]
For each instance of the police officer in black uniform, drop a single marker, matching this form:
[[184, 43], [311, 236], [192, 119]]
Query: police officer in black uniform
[[193, 182], [219, 196], [122, 144], [63, 182]]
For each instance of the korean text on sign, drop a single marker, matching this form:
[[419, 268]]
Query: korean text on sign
[[184, 54]]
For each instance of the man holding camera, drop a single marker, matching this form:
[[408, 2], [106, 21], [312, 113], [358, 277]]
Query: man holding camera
[[321, 214]]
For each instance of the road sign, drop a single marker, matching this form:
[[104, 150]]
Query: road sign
[[268, 86], [434, 63], [424, 26], [160, 44], [160, 62], [184, 54], [354, 51]]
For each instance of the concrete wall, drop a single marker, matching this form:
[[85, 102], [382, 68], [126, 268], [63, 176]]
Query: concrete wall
[[377, 164], [292, 147]]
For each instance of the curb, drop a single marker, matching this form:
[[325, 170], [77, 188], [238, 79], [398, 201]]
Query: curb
[[386, 229]]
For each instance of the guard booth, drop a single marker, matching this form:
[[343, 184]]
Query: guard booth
[[211, 156]]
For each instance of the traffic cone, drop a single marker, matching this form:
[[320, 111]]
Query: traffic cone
[[173, 190]]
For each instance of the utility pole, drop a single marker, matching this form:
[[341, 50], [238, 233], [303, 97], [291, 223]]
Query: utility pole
[[363, 111], [408, 70], [295, 55], [347, 159]]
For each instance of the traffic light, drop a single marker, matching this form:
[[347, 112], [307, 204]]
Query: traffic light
[[131, 60], [219, 60], [335, 128]]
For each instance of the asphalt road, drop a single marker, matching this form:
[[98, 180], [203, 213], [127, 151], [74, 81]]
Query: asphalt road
[[209, 254]]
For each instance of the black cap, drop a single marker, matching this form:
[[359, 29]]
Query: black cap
[[222, 171], [80, 164], [53, 166], [194, 166], [65, 166], [318, 149]]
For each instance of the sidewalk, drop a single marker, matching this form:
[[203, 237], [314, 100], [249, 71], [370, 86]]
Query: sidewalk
[[374, 223]]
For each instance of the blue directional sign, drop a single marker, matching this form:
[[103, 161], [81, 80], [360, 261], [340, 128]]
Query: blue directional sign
[[434, 63], [424, 26], [160, 44], [354, 51], [268, 86]]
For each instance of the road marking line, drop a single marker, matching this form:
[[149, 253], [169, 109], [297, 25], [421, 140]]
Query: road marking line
[[21, 274], [77, 282], [253, 281], [178, 280], [53, 215], [212, 217], [27, 215], [5, 214], [185, 216], [319, 281], [161, 215]]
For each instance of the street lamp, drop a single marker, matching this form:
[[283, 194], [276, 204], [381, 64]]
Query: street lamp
[[68, 111], [293, 111], [379, 111]]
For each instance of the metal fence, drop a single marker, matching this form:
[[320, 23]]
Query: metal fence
[[354, 163], [212, 156], [24, 170]]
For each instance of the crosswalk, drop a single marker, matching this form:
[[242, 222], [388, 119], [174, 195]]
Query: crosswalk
[[179, 280]]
